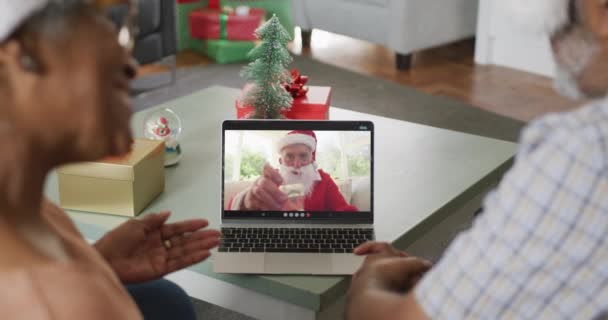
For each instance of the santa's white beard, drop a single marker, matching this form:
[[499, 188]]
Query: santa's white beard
[[306, 175]]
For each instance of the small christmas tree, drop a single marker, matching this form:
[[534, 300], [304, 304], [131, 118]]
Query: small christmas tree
[[268, 72]]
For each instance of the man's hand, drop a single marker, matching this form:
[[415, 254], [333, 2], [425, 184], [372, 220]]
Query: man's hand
[[386, 268], [146, 249], [265, 193], [378, 290]]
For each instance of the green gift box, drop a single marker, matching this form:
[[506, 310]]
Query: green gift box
[[183, 9], [225, 51], [282, 8]]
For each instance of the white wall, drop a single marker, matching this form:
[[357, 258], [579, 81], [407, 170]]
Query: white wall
[[500, 43]]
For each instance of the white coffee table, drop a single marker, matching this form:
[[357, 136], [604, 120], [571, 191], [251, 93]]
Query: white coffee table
[[425, 178]]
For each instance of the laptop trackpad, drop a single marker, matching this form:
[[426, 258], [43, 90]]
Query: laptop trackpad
[[238, 262], [297, 263]]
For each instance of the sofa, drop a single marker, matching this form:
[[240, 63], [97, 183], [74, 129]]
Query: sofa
[[356, 191], [405, 26], [156, 38], [500, 43]]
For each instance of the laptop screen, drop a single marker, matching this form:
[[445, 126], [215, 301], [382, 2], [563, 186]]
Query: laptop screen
[[297, 170]]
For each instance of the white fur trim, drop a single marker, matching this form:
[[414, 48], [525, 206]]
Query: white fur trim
[[537, 16], [297, 138], [317, 174], [14, 12]]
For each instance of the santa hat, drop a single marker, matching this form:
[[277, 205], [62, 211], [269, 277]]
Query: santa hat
[[537, 16], [14, 12], [305, 137]]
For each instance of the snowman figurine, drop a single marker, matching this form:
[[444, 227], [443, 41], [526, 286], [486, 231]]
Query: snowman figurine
[[165, 125]]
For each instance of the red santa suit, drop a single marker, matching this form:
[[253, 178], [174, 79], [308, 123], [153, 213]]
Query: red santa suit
[[326, 196]]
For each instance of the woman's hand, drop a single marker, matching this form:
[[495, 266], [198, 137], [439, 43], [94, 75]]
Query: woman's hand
[[145, 249]]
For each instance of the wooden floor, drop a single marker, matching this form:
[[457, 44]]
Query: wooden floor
[[446, 71]]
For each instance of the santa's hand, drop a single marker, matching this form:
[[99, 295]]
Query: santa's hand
[[272, 174], [265, 193]]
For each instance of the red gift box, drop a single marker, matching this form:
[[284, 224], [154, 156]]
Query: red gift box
[[312, 106], [211, 4], [213, 24]]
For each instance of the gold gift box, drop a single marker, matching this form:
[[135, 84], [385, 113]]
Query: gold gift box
[[120, 186]]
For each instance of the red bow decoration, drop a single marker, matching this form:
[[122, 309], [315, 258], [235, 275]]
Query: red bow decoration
[[297, 88]]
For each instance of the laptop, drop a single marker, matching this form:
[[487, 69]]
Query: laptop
[[315, 204]]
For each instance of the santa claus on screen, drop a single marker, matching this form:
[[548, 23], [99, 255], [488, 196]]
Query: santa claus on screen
[[297, 167]]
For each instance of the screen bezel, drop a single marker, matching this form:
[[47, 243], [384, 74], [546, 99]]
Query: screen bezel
[[288, 125]]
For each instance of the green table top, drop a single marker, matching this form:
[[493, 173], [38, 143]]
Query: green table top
[[421, 175]]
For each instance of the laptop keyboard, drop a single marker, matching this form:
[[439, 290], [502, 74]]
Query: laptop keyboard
[[295, 240]]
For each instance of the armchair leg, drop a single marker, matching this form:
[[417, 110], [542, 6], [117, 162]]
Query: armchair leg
[[171, 62], [404, 61], [306, 36]]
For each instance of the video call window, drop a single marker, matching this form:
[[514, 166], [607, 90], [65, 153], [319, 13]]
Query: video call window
[[320, 171]]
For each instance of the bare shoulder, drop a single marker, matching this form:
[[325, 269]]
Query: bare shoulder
[[84, 294], [48, 207], [35, 244], [22, 300], [57, 217], [17, 253]]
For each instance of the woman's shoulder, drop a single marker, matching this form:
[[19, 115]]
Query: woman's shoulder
[[58, 218], [63, 291], [48, 208]]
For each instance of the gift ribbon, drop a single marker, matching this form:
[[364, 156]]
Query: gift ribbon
[[223, 26], [214, 4], [297, 88]]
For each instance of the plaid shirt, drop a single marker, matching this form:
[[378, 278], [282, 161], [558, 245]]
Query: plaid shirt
[[540, 249]]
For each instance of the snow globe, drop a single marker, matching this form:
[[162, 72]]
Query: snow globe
[[164, 124]]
